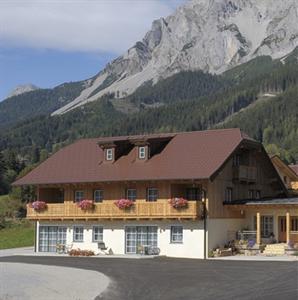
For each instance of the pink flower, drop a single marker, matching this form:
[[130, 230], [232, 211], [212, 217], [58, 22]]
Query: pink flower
[[178, 202], [85, 204], [38, 205], [124, 203]]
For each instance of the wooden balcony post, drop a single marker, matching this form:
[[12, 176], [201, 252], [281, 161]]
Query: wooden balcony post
[[258, 228], [288, 225]]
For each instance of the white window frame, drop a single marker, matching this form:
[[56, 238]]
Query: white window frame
[[251, 194], [109, 154], [142, 152], [258, 194], [100, 197], [176, 234], [79, 195], [97, 236], [78, 237], [228, 194], [149, 197], [131, 197]]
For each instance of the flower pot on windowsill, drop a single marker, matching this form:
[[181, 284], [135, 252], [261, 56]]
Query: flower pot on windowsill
[[178, 203], [86, 205], [124, 203], [38, 205]]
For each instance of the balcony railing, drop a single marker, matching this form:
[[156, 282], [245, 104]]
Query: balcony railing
[[160, 209], [245, 173]]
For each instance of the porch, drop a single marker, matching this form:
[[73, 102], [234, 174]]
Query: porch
[[269, 221]]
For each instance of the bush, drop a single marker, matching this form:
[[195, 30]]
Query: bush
[[79, 252]]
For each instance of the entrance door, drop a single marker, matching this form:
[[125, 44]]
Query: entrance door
[[137, 236], [282, 229], [50, 236]]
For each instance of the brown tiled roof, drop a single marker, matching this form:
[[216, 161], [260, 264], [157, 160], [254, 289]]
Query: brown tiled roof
[[294, 168], [189, 155]]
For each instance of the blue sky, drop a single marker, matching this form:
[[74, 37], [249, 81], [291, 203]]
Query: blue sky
[[48, 42]]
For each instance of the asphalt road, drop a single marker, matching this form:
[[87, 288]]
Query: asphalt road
[[173, 279]]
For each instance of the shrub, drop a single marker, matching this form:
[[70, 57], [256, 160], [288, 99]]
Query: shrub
[[79, 252]]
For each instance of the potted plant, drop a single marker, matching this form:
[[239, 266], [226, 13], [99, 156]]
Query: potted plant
[[38, 205], [178, 202], [124, 203], [86, 204]]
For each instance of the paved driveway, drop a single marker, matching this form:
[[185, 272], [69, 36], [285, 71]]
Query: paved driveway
[[171, 279]]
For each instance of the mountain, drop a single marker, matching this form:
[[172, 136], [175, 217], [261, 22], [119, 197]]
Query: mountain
[[38, 102], [207, 35], [208, 86], [259, 96], [21, 89]]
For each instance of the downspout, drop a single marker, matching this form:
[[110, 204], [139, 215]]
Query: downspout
[[35, 236], [205, 233]]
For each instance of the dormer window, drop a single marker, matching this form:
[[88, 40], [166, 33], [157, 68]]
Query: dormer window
[[142, 152], [109, 154]]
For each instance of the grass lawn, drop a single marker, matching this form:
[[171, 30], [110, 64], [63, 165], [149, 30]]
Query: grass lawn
[[16, 235]]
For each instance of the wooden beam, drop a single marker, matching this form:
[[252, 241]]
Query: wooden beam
[[258, 228], [288, 224]]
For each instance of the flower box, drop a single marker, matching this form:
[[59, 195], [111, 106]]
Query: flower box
[[124, 203], [178, 202], [38, 205], [86, 204]]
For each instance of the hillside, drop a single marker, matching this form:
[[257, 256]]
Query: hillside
[[186, 101]]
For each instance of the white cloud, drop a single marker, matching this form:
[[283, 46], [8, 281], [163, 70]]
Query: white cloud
[[79, 25]]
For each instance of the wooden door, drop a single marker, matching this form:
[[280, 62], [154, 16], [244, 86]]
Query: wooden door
[[282, 229]]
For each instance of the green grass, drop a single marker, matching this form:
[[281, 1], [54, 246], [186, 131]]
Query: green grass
[[16, 235]]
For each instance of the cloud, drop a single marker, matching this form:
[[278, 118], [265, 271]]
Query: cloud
[[79, 25]]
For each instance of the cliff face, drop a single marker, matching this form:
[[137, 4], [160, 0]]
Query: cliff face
[[208, 35]]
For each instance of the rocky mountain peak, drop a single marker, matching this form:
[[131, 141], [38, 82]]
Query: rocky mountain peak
[[21, 89], [208, 35]]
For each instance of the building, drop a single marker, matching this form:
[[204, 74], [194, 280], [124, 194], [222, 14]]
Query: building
[[228, 179], [295, 182], [288, 174]]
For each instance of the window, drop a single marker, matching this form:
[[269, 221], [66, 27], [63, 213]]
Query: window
[[229, 195], [131, 194], [109, 154], [192, 194], [79, 196], [98, 195], [78, 234], [97, 234], [266, 226], [294, 224], [152, 194], [176, 234], [258, 194], [251, 194], [142, 152], [236, 160]]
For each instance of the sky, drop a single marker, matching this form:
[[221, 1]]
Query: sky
[[48, 42]]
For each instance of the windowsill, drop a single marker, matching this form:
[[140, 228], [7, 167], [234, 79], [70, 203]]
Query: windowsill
[[78, 241], [176, 243]]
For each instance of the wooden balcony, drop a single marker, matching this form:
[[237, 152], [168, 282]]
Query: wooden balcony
[[160, 209], [245, 174]]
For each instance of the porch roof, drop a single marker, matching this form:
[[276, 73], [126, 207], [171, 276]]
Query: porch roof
[[265, 202]]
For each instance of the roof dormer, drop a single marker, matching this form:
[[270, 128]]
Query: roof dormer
[[109, 151]]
